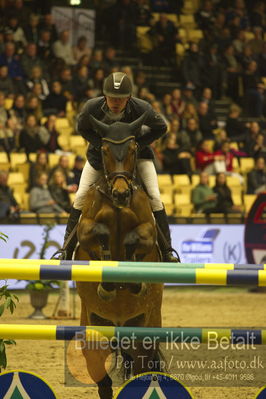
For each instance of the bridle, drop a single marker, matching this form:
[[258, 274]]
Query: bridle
[[111, 177]]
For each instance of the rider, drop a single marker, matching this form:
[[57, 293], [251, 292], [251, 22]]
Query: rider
[[118, 105]]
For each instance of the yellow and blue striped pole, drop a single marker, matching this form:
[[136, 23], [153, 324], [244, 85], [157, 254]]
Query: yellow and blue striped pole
[[79, 272], [165, 334], [163, 265]]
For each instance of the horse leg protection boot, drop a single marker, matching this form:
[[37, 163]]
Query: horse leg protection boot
[[164, 237], [71, 223]]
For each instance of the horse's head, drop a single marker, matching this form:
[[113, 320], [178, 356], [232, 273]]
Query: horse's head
[[119, 152]]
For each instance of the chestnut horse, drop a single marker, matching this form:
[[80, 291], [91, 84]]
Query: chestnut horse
[[117, 223]]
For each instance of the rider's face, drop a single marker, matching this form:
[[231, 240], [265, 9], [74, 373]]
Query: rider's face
[[116, 104]]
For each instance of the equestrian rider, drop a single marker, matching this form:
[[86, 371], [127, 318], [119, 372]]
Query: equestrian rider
[[118, 105]]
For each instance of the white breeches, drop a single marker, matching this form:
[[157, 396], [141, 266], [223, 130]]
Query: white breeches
[[146, 172]]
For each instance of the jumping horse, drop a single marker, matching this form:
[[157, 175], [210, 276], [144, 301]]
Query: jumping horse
[[117, 224]]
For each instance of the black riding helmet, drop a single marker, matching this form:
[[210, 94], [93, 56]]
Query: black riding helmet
[[117, 84]]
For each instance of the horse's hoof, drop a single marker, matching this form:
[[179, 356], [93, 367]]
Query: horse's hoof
[[105, 295]]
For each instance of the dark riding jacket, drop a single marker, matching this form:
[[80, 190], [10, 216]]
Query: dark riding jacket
[[97, 107]]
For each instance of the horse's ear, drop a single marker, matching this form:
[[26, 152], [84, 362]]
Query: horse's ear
[[136, 125], [99, 126]]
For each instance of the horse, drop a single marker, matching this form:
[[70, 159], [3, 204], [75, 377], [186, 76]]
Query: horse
[[117, 224]]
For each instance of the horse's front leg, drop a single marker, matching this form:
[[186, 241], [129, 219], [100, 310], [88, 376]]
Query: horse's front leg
[[94, 238], [138, 243]]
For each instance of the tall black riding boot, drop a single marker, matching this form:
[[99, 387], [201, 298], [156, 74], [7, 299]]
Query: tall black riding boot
[[164, 237], [67, 251]]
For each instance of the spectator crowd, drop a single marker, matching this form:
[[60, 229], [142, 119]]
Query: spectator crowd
[[44, 78]]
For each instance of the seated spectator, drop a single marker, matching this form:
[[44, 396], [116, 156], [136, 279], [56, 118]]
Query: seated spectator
[[207, 161], [247, 56], [167, 107], [96, 61], [18, 33], [177, 103], [18, 112], [203, 197], [254, 91], [81, 48], [176, 157], [213, 70], [257, 14], [207, 121], [6, 83], [30, 59], [193, 133], [41, 200], [235, 129], [225, 203], [207, 98], [81, 83], [233, 69], [165, 36], [192, 67], [45, 46], [7, 137], [34, 107], [33, 137], [10, 59], [48, 24], [8, 204], [144, 14], [56, 102], [63, 49], [146, 95], [259, 148], [32, 29], [3, 111], [20, 10], [205, 15], [188, 95], [41, 165], [59, 190], [249, 141], [63, 166], [224, 150], [66, 80], [189, 112], [257, 42], [96, 83], [256, 179], [77, 169], [36, 76], [52, 144]]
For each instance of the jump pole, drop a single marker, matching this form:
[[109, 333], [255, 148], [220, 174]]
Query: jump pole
[[134, 275], [161, 265], [166, 334]]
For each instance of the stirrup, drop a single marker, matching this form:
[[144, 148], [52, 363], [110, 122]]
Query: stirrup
[[60, 254], [169, 257]]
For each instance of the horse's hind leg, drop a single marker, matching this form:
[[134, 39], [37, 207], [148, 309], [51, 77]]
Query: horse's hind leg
[[96, 360]]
